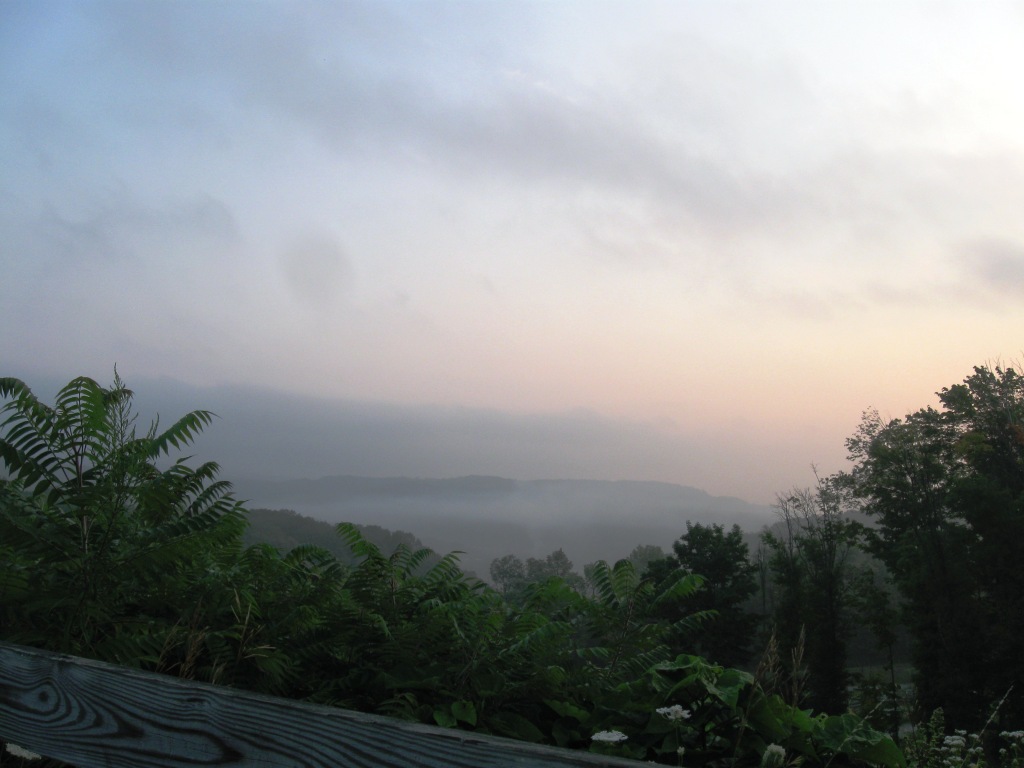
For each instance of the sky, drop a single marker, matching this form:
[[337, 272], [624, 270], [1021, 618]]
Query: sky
[[678, 241]]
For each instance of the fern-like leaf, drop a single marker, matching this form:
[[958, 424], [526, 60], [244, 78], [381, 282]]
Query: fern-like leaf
[[180, 434]]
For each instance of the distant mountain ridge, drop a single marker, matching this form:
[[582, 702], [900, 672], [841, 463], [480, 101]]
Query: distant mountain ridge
[[487, 517], [284, 530], [579, 494], [325, 490]]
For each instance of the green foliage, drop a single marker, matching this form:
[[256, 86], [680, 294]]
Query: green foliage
[[878, 700], [931, 745], [946, 490], [814, 583], [556, 565], [104, 546], [645, 554], [115, 556], [508, 574], [285, 529], [723, 560], [721, 716]]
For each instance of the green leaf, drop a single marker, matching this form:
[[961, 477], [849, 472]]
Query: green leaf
[[882, 751], [464, 711], [443, 718], [568, 709], [488, 682], [516, 726]]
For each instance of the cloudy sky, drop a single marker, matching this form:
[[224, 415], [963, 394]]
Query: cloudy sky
[[685, 241]]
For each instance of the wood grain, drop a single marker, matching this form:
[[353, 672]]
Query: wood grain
[[98, 715]]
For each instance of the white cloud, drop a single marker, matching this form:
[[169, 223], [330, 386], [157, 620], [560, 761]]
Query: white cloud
[[528, 206], [317, 270]]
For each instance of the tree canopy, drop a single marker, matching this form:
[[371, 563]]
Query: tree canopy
[[945, 489]]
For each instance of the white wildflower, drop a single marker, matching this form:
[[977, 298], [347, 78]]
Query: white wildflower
[[773, 757], [610, 737], [674, 713], [23, 753]]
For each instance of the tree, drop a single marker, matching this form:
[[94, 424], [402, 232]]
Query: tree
[[556, 565], [812, 571], [875, 608], [722, 559], [508, 573], [106, 552], [644, 554], [658, 571], [946, 490]]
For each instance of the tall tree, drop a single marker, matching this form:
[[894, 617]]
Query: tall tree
[[813, 579], [508, 573], [946, 488], [556, 565], [643, 555], [723, 560]]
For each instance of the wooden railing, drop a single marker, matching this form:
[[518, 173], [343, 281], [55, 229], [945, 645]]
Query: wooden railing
[[96, 715]]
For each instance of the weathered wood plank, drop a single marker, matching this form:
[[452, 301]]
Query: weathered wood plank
[[98, 715]]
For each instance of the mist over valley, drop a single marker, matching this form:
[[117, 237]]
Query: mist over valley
[[486, 516]]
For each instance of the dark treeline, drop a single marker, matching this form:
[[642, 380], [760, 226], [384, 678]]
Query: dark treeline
[[916, 550], [116, 549]]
